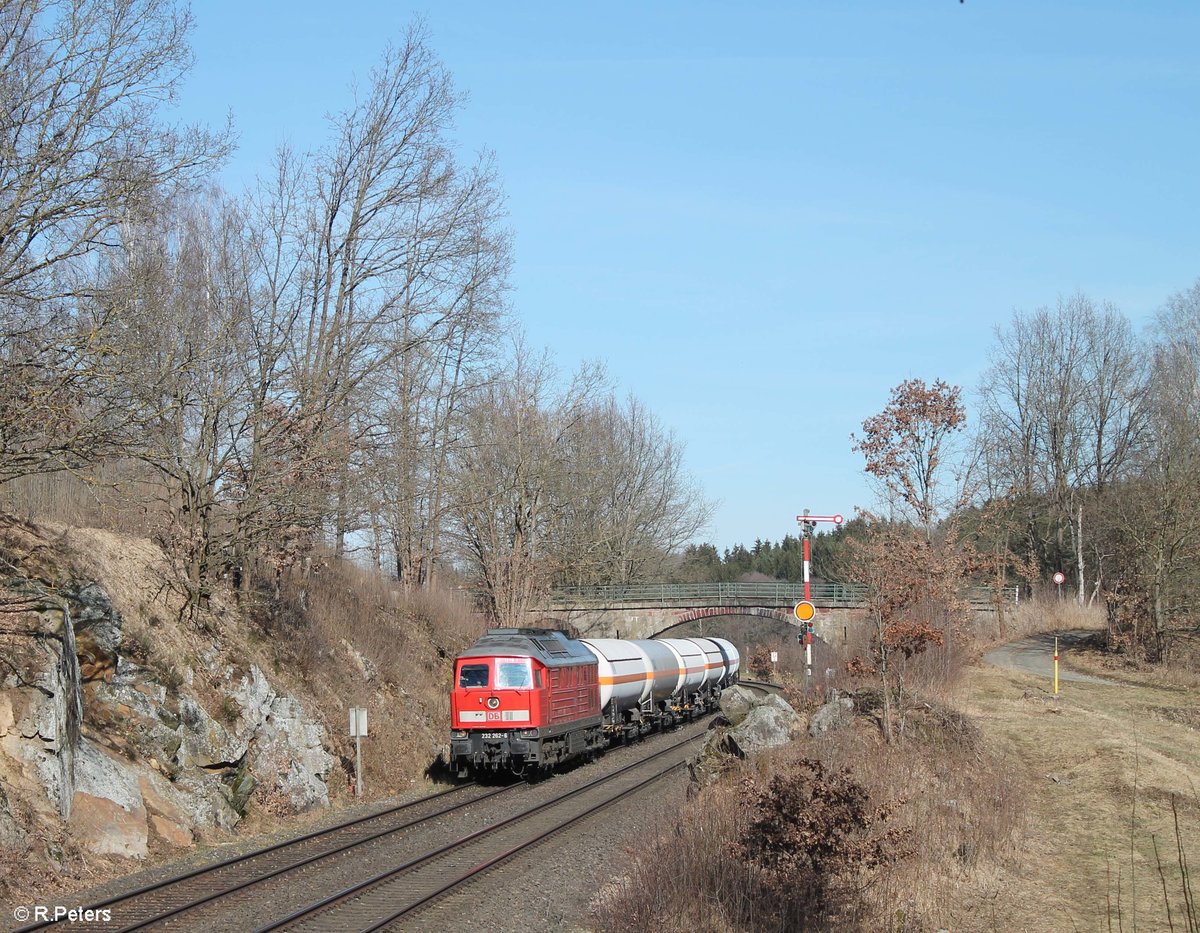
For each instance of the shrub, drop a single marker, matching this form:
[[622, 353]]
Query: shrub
[[817, 838]]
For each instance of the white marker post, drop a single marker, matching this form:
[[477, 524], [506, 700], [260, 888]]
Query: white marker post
[[358, 729]]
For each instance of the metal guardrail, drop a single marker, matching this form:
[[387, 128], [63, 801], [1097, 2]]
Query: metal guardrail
[[823, 595]]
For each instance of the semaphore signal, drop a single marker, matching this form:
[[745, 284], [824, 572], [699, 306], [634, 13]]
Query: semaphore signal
[[804, 610]]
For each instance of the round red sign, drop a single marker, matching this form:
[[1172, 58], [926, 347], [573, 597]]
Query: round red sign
[[1059, 578]]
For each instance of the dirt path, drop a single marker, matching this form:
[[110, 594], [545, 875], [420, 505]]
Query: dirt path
[[1100, 765], [1035, 655]]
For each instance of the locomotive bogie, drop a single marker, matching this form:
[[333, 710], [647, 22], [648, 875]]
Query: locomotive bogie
[[522, 751]]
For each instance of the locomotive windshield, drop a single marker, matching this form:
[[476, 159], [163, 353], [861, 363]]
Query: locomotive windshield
[[514, 673], [473, 675]]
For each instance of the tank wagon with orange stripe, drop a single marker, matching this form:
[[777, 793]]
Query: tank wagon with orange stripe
[[527, 699]]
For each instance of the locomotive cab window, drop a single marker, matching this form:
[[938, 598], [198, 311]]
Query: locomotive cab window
[[514, 674], [473, 675]]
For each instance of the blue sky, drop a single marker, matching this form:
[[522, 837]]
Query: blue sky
[[763, 216]]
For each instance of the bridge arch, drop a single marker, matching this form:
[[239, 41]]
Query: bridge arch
[[711, 612]]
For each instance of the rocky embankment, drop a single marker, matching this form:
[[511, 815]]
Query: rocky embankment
[[751, 724], [119, 737]]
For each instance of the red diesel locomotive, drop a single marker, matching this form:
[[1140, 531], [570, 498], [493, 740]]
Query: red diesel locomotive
[[524, 696], [528, 699]]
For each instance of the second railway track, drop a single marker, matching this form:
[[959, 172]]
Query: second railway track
[[393, 896], [158, 903]]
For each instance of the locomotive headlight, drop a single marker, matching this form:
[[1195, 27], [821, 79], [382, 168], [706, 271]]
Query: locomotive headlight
[[458, 733], [493, 702]]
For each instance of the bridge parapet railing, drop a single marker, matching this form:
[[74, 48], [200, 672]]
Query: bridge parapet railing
[[823, 595]]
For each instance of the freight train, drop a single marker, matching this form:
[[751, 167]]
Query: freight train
[[525, 700]]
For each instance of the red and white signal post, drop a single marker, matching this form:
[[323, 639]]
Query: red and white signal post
[[805, 610]]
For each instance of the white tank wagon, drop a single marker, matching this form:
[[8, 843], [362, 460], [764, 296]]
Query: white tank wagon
[[657, 682], [733, 660]]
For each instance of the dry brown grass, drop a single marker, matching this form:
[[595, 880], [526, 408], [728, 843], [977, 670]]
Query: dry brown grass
[[1033, 616], [346, 636], [116, 496], [960, 813], [684, 881], [1027, 813], [1102, 765], [1181, 669]]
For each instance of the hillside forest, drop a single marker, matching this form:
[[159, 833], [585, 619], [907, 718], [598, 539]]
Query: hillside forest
[[325, 365]]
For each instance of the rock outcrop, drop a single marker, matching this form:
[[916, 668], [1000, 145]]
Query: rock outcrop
[[835, 714], [754, 725], [117, 740]]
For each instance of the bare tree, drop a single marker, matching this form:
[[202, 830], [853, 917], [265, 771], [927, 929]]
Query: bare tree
[[81, 152], [1157, 513], [1063, 414], [508, 475], [444, 346], [630, 503], [181, 298], [374, 207]]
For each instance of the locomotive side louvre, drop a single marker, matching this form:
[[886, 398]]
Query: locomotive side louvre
[[574, 693]]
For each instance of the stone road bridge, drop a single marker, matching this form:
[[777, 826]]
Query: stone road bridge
[[644, 610]]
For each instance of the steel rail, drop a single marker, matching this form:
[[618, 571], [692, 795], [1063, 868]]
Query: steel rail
[[379, 879], [762, 685], [159, 886], [504, 856], [292, 866]]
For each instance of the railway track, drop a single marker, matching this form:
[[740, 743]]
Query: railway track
[[164, 900], [761, 686], [228, 888], [397, 894]]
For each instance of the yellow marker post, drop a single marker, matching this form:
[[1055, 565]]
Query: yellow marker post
[[1056, 665]]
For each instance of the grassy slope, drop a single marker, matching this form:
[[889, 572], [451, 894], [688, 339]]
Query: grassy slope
[[1099, 764]]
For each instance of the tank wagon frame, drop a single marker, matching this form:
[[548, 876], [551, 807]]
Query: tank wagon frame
[[528, 699]]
